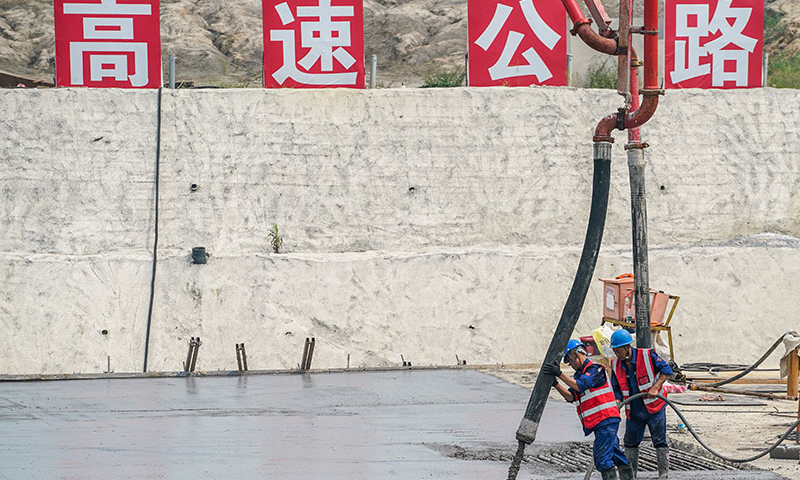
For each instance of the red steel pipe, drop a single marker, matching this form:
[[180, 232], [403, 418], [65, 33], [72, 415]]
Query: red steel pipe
[[574, 12], [583, 30], [637, 116], [633, 133], [651, 45], [651, 91]]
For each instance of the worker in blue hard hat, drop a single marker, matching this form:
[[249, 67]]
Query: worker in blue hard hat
[[597, 408], [638, 370]]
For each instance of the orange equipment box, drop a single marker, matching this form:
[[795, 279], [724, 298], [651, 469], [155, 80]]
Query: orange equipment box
[[618, 300]]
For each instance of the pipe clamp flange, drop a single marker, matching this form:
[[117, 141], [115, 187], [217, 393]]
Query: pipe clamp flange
[[578, 25], [621, 112], [651, 92], [634, 146]]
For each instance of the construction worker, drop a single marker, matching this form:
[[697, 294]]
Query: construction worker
[[641, 370], [597, 408]]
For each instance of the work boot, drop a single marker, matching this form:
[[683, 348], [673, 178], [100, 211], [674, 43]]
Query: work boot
[[662, 457], [632, 453], [625, 472], [610, 474]]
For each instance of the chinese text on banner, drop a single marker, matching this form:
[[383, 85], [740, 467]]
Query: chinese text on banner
[[517, 42], [108, 43], [313, 43], [713, 43]]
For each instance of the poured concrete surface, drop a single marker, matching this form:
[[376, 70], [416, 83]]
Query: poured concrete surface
[[378, 425]]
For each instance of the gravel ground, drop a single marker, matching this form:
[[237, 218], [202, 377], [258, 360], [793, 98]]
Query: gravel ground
[[734, 430]]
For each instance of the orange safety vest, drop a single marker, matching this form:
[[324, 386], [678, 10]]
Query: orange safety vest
[[596, 404], [645, 377]]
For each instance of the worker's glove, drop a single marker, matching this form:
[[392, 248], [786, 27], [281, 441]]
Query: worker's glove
[[551, 369]]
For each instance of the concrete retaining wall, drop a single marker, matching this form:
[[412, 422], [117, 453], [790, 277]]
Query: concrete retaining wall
[[409, 216]]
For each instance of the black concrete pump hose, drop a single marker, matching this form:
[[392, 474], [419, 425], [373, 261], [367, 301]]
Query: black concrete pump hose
[[701, 442], [753, 366], [572, 309]]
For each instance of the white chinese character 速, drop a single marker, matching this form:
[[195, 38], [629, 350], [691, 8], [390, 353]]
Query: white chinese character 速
[[535, 66], [108, 58], [324, 37]]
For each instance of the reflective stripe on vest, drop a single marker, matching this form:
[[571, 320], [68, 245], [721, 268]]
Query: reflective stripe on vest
[[596, 404], [598, 408], [644, 370]]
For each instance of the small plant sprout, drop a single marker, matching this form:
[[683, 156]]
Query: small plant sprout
[[275, 239]]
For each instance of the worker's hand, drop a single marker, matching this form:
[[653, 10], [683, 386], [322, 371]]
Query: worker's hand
[[551, 369], [652, 392]]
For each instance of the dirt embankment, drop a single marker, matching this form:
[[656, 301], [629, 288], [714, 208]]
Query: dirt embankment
[[220, 42]]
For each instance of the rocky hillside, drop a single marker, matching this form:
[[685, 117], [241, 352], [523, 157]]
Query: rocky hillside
[[218, 42]]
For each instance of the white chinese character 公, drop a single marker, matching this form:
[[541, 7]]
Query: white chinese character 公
[[108, 59], [687, 60], [324, 37], [536, 66]]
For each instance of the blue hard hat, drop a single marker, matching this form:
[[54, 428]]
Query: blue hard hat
[[572, 345], [620, 338]]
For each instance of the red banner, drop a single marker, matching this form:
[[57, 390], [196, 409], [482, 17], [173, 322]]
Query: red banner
[[714, 43], [313, 43], [108, 43], [517, 43]]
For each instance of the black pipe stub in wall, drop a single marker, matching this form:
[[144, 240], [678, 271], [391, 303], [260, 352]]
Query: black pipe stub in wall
[[193, 187], [199, 255]]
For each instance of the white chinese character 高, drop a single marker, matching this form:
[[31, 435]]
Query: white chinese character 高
[[108, 58]]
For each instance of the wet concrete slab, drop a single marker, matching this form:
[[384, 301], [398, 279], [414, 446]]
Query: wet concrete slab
[[333, 426]]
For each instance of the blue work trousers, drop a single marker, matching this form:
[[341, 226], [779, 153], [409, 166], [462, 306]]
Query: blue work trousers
[[607, 453], [656, 423]]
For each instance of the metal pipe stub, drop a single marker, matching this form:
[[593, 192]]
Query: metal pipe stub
[[191, 355], [308, 353], [241, 357]]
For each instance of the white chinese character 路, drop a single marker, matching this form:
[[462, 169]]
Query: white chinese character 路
[[689, 52]]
